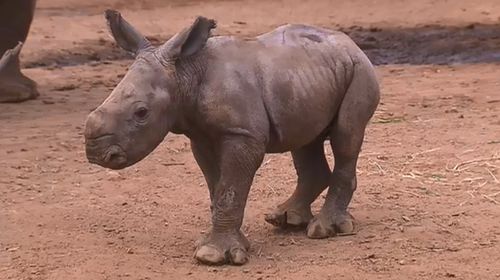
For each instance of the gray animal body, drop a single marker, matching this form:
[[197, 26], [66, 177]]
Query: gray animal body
[[15, 22], [236, 100]]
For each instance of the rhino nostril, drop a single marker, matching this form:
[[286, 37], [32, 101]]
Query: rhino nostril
[[115, 155]]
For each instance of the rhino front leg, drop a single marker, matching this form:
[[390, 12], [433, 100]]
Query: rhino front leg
[[205, 155], [240, 157]]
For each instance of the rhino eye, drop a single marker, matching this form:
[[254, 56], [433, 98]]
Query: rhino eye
[[141, 113]]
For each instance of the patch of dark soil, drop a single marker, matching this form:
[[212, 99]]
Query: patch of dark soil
[[475, 43]]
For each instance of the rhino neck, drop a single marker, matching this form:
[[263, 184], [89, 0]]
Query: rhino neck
[[190, 75]]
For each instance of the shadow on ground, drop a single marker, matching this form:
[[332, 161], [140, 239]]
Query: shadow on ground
[[475, 43]]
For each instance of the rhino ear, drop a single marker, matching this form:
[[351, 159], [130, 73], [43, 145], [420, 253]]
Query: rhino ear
[[189, 41], [125, 34]]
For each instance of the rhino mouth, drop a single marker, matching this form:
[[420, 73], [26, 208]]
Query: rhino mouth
[[99, 151]]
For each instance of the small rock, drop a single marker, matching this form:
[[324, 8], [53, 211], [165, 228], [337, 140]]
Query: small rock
[[370, 256], [130, 251], [458, 213], [48, 102], [66, 87], [484, 243]]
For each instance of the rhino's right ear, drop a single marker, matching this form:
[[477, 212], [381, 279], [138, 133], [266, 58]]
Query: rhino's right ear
[[125, 34], [188, 41]]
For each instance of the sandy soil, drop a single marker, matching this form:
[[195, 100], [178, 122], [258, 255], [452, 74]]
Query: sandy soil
[[428, 202]]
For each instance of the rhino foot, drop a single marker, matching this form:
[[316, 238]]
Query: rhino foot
[[14, 86], [290, 215], [223, 248], [324, 226], [17, 91]]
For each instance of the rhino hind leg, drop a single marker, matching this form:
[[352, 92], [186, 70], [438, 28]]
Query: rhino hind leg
[[14, 85], [346, 138], [313, 174]]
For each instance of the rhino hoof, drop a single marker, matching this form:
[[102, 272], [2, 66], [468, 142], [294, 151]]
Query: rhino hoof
[[223, 249], [324, 227], [238, 256], [284, 217], [210, 255], [14, 85]]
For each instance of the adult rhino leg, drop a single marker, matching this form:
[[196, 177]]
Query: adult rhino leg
[[346, 138], [240, 157], [313, 174], [15, 21], [14, 86]]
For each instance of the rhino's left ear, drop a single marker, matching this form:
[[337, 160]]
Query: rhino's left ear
[[125, 34], [189, 41]]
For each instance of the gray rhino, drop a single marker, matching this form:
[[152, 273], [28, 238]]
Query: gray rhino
[[236, 100], [15, 21]]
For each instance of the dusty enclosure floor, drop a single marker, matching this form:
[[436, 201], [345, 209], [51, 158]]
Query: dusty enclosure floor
[[428, 202]]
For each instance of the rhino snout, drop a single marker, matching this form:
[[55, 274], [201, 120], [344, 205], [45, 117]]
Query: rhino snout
[[104, 152], [96, 125]]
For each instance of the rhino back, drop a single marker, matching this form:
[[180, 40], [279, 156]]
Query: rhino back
[[293, 77]]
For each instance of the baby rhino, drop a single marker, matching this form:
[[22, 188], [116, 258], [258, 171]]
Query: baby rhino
[[236, 100]]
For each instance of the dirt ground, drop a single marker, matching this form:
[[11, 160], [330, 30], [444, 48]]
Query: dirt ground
[[428, 201]]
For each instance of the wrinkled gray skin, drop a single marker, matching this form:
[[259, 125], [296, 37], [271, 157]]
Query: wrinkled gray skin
[[286, 90], [15, 21]]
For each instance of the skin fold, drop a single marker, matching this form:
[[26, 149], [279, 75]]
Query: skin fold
[[15, 21], [287, 90]]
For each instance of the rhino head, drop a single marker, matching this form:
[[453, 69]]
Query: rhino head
[[144, 106]]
